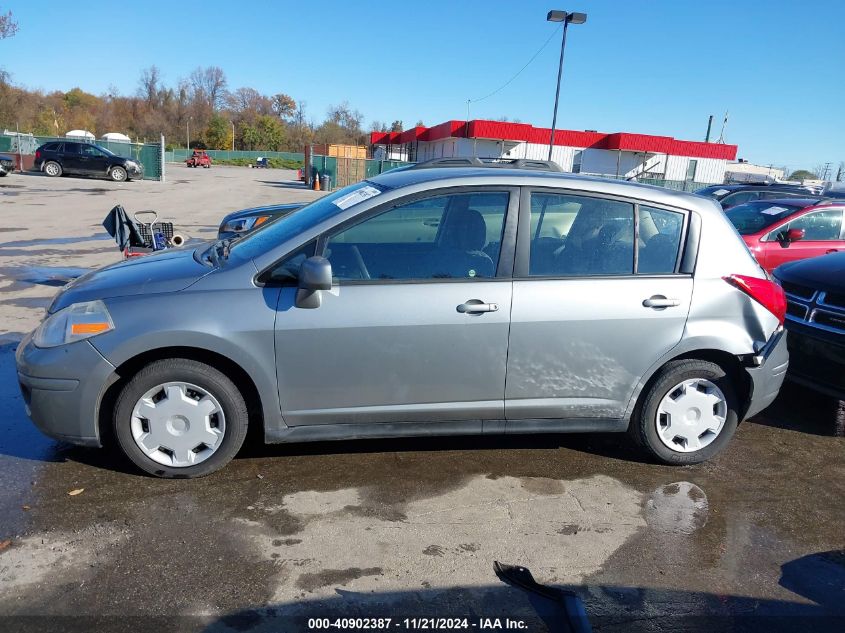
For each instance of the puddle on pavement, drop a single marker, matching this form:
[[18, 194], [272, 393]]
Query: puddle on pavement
[[44, 275], [54, 240]]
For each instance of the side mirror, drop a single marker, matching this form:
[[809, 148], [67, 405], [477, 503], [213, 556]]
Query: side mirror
[[315, 275], [790, 235]]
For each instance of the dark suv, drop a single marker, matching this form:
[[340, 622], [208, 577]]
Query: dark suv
[[732, 195], [85, 159]]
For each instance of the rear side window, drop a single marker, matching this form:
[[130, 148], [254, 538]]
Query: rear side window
[[575, 236], [659, 242], [72, 148]]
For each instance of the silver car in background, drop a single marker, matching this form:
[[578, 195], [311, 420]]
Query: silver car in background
[[425, 301]]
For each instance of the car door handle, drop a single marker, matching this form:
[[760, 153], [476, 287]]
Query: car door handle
[[659, 301], [476, 306]]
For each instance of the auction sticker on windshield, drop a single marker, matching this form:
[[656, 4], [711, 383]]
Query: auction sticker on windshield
[[774, 210], [359, 195]]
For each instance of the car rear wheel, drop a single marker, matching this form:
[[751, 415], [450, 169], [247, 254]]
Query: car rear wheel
[[118, 174], [179, 418], [52, 168], [689, 414]]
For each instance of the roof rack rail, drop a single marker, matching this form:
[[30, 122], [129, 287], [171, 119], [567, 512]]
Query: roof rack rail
[[502, 163]]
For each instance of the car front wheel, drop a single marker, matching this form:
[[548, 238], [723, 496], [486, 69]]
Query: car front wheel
[[52, 168], [118, 174], [689, 414], [179, 418]]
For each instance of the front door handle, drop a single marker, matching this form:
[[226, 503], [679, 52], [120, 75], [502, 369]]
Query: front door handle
[[659, 302], [477, 306]]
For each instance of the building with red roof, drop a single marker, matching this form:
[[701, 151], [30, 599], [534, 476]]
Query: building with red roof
[[620, 154]]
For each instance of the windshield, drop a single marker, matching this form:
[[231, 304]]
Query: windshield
[[105, 151], [752, 217], [274, 233]]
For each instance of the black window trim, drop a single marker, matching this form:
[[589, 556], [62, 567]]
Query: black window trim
[[684, 261]]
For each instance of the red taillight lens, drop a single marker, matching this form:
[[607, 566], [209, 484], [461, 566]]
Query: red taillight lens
[[765, 292], [37, 154]]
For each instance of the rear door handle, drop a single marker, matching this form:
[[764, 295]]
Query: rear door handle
[[659, 301], [477, 306]]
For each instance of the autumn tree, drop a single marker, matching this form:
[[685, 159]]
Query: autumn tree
[[218, 133]]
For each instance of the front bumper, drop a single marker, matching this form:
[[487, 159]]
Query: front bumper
[[6, 167], [767, 377], [818, 359], [62, 387]]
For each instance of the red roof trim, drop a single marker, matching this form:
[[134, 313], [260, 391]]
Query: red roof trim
[[505, 130]]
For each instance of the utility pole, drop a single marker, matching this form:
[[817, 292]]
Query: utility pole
[[709, 126]]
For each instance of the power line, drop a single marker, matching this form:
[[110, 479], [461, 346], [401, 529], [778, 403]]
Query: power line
[[519, 72]]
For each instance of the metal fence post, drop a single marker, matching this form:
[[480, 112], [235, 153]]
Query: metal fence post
[[161, 158]]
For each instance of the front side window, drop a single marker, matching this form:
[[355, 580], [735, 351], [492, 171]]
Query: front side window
[[573, 236], [819, 226], [454, 236], [91, 151]]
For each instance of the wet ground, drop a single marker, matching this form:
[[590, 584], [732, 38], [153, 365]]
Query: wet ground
[[752, 540]]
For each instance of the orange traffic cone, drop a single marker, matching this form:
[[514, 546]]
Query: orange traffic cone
[[317, 182]]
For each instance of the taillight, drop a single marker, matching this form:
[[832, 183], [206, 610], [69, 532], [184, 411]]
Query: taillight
[[767, 293], [37, 154]]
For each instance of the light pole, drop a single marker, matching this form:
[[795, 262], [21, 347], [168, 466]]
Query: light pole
[[233, 136], [566, 18], [188, 132]]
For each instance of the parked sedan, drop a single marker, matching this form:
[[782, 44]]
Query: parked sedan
[[85, 159], [423, 302], [786, 230], [815, 318], [239, 223]]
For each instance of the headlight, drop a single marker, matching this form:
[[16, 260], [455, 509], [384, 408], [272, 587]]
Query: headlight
[[240, 225], [73, 323]]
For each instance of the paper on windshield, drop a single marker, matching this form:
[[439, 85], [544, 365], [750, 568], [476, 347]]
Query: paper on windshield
[[359, 195], [720, 192], [774, 210]]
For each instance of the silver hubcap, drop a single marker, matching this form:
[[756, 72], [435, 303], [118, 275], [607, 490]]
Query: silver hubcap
[[52, 169], [118, 174], [178, 424], [691, 415]]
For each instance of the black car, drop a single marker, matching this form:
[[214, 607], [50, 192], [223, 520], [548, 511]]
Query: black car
[[815, 319], [85, 159], [732, 195], [240, 223], [7, 164]]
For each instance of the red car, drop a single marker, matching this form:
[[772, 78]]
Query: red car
[[785, 230], [199, 159]]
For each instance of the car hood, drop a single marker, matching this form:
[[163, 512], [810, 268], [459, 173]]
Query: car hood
[[169, 271], [826, 272]]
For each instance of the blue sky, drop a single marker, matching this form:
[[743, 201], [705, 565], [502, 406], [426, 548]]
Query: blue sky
[[654, 67]]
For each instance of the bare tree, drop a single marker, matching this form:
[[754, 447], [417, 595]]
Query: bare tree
[[149, 85], [209, 85], [8, 26], [283, 105]]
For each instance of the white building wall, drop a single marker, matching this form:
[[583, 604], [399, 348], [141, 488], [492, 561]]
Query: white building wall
[[676, 167], [710, 170]]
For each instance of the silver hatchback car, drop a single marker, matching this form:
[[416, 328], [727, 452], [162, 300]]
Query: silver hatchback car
[[423, 302]]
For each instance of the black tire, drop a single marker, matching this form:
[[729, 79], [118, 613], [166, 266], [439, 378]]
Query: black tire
[[643, 427], [201, 375], [54, 167], [118, 174]]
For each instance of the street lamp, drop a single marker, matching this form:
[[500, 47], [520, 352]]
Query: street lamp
[[233, 135], [566, 18], [188, 132]]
